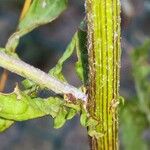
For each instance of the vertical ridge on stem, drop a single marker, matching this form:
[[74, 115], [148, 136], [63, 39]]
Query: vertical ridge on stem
[[103, 18]]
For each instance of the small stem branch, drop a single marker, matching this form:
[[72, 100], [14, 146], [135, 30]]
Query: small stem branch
[[3, 79], [26, 6], [41, 78]]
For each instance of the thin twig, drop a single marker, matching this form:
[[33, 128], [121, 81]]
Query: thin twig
[[26, 6], [41, 78], [3, 79]]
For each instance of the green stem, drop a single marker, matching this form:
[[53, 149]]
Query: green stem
[[104, 64], [41, 78]]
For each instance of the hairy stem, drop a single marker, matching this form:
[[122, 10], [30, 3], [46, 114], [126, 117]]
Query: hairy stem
[[104, 64], [41, 78]]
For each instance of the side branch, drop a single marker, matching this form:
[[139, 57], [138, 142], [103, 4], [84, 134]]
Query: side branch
[[41, 78]]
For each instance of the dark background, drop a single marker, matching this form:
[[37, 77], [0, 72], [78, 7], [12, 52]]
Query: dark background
[[43, 47]]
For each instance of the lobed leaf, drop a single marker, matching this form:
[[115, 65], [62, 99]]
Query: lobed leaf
[[22, 107]]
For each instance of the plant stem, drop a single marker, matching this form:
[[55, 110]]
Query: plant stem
[[41, 78], [103, 18]]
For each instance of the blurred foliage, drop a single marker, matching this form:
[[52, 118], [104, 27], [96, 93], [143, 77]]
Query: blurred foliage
[[133, 123], [141, 73], [135, 116]]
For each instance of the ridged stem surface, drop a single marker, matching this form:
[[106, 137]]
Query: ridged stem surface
[[104, 64]]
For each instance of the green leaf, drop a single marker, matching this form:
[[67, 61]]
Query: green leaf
[[79, 42], [133, 124], [60, 119], [28, 84], [19, 107], [83, 118], [141, 72], [42, 12], [30, 88], [5, 124], [51, 105], [90, 122], [76, 107], [71, 113], [57, 70], [92, 131], [82, 63]]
